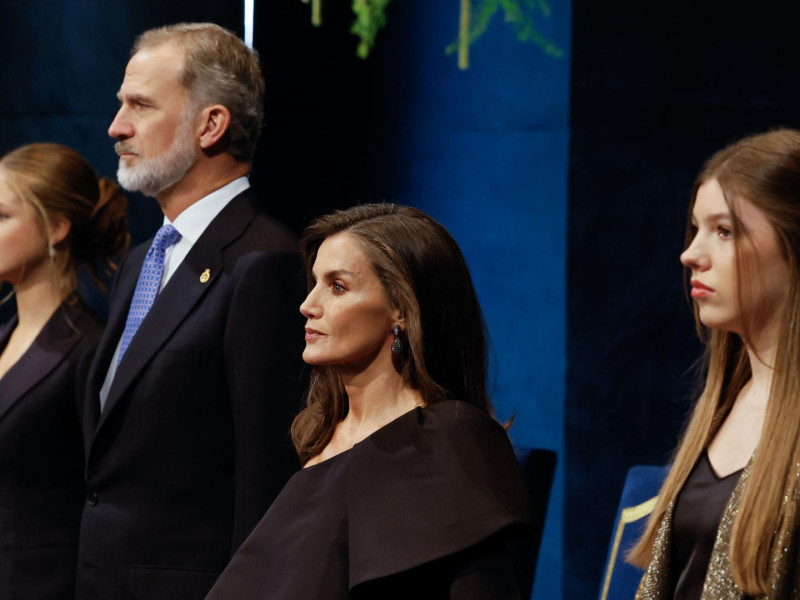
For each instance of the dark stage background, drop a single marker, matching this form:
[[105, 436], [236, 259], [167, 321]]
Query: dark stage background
[[657, 87]]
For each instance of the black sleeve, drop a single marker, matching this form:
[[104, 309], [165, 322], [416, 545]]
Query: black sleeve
[[482, 572], [263, 350]]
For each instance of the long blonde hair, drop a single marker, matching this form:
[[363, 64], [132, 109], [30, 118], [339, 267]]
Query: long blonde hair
[[765, 170]]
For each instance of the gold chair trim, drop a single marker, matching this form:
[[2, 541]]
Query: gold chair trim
[[628, 515]]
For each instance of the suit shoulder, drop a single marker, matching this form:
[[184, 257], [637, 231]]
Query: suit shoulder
[[265, 235], [275, 233], [270, 232]]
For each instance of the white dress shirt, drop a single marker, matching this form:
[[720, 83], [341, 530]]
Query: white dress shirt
[[191, 224]]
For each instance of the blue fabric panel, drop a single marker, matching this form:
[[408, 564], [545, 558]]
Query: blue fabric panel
[[484, 151]]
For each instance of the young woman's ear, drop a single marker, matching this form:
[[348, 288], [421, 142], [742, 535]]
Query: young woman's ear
[[59, 230]]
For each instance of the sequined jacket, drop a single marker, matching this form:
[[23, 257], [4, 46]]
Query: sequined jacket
[[719, 584]]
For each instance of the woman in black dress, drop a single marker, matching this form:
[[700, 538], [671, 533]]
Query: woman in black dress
[[726, 521], [54, 216], [410, 489]]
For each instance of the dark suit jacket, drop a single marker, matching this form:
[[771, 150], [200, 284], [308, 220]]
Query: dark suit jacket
[[192, 445], [41, 457]]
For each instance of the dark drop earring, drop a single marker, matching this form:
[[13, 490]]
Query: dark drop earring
[[397, 345]]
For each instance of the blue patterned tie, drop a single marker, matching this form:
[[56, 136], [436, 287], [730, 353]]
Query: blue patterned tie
[[147, 285]]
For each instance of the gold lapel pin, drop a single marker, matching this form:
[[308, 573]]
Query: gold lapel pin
[[205, 276]]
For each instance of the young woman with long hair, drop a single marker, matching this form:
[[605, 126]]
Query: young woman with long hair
[[726, 520]]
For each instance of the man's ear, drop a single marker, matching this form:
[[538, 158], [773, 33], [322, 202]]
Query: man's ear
[[216, 119]]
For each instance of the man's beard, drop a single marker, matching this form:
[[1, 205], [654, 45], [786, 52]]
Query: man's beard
[[151, 176]]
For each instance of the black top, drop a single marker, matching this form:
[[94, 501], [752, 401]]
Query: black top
[[698, 511], [421, 508], [42, 488]]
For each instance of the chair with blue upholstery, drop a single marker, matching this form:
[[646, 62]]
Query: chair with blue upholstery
[[639, 494]]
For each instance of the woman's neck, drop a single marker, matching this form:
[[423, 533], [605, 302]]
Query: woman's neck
[[36, 303], [740, 432], [762, 368], [375, 400], [762, 352]]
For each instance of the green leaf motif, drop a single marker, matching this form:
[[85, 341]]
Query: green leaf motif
[[476, 15], [520, 14], [370, 17]]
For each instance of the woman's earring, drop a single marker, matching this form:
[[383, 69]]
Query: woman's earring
[[397, 345], [51, 251]]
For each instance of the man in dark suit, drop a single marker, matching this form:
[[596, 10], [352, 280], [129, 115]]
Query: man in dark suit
[[186, 434]]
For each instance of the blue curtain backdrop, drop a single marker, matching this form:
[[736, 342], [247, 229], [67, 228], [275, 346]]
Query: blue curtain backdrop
[[482, 150], [485, 152]]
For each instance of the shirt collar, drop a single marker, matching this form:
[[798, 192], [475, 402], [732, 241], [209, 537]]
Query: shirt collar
[[192, 222]]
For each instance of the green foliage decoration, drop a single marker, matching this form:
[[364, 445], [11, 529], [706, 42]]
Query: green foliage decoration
[[316, 11], [474, 20], [520, 14], [370, 17]]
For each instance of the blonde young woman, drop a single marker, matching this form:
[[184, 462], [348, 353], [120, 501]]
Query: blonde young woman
[[54, 216], [726, 522]]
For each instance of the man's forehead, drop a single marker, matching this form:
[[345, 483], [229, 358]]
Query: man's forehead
[[159, 65]]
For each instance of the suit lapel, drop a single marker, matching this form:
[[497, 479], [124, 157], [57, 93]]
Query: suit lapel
[[6, 331], [193, 279], [122, 293], [50, 347]]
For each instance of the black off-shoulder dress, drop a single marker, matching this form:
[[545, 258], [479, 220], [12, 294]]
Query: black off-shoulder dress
[[420, 509]]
